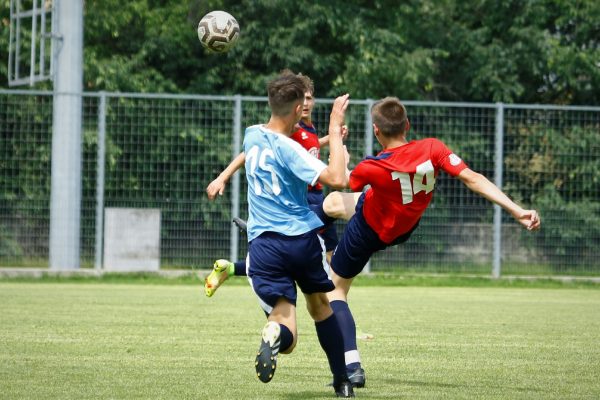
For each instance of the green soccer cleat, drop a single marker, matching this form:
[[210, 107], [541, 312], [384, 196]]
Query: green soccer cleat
[[216, 277], [266, 358]]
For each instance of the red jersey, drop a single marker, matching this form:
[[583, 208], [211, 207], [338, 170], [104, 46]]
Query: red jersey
[[402, 180], [307, 136]]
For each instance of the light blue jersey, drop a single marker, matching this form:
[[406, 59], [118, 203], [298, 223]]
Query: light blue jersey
[[278, 171]]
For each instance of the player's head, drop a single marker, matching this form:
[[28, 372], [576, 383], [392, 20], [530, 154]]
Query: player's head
[[389, 117], [309, 99], [286, 95], [310, 85]]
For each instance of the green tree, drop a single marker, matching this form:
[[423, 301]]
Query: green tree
[[538, 51]]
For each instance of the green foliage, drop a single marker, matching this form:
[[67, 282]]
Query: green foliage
[[25, 126], [9, 246], [557, 170], [542, 51]]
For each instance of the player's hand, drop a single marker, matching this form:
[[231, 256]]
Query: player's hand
[[338, 111], [216, 187], [344, 132], [529, 219], [346, 156]]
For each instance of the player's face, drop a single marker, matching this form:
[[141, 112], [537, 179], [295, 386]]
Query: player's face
[[309, 103], [299, 113]]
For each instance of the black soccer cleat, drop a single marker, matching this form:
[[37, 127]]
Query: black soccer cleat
[[240, 224], [266, 358], [342, 387], [357, 377]]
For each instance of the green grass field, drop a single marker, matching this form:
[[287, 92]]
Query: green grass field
[[105, 340]]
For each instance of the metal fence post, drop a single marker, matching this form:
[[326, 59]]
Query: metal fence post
[[368, 150], [235, 183], [498, 171], [101, 157], [66, 168]]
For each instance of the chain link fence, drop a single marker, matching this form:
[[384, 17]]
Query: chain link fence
[[161, 151]]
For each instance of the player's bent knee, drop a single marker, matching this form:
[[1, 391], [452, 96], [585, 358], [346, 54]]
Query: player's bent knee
[[341, 205], [333, 205], [337, 294]]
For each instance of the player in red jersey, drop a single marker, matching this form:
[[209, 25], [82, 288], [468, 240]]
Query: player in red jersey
[[402, 179]]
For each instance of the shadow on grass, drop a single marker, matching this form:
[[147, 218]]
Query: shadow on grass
[[456, 386], [397, 382]]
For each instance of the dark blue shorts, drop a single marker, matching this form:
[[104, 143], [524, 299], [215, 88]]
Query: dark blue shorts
[[276, 263], [358, 243], [328, 232]]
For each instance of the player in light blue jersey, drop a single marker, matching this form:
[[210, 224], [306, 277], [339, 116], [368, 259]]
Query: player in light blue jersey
[[284, 248], [277, 191]]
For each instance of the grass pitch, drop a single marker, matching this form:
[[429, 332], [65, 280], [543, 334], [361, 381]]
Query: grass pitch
[[78, 340]]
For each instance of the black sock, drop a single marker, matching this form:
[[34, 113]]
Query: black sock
[[239, 268], [348, 327], [330, 337], [286, 338]]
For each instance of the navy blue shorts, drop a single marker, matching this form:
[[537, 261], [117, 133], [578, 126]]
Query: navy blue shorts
[[276, 263], [358, 243], [328, 232]]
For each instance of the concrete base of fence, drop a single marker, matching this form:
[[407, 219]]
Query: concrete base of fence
[[131, 239], [26, 272]]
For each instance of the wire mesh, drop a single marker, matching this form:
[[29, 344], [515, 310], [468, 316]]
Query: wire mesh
[[161, 151], [25, 146], [552, 162]]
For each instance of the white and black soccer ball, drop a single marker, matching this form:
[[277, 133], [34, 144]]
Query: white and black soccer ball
[[218, 31]]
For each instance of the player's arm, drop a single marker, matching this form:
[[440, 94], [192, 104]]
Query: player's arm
[[217, 187], [482, 186], [335, 174], [324, 141]]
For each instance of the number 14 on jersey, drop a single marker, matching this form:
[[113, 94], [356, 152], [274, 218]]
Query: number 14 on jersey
[[423, 180]]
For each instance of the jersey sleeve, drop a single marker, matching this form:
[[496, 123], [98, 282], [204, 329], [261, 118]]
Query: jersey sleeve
[[445, 159], [358, 177], [301, 163]]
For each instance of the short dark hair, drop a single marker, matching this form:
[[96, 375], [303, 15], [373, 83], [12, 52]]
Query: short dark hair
[[310, 85], [390, 116], [284, 91]]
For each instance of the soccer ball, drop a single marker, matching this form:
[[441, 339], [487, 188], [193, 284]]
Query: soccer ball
[[218, 31]]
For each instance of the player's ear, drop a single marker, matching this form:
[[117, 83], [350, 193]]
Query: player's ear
[[375, 130], [407, 125]]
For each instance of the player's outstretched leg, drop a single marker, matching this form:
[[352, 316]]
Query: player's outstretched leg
[[266, 358], [221, 271]]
